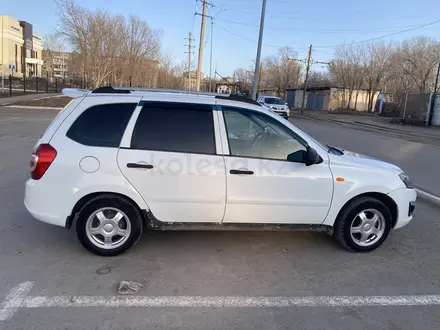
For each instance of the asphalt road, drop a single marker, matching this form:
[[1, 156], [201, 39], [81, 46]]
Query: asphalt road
[[197, 265], [420, 160]]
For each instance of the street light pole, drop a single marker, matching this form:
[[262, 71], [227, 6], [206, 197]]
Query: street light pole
[[3, 50], [257, 60]]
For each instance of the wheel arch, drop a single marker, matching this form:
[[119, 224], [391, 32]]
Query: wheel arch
[[86, 198], [384, 198]]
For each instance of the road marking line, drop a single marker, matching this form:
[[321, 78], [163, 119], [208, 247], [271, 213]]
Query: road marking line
[[200, 301], [11, 119], [18, 298], [14, 300], [33, 107]]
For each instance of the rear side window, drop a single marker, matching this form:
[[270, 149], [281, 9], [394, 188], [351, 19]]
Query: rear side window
[[176, 127], [102, 125]]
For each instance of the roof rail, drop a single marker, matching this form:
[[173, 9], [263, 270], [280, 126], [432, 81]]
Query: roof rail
[[238, 98], [109, 90], [167, 90], [128, 90]]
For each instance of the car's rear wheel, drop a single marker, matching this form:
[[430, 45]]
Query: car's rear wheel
[[108, 225], [363, 224]]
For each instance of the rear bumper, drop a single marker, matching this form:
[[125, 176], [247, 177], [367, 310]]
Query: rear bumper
[[405, 199], [42, 206]]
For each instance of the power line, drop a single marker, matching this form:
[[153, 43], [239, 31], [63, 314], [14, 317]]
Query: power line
[[245, 38], [345, 44], [381, 37], [315, 30]]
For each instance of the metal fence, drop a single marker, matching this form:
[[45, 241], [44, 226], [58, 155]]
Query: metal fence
[[14, 86], [411, 108]]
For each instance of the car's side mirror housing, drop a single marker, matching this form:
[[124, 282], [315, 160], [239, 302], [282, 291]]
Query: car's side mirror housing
[[312, 157], [299, 156], [309, 157]]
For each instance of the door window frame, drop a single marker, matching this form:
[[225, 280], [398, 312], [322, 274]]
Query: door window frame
[[225, 138], [126, 139]]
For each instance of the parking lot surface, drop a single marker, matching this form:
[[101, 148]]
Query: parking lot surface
[[200, 280]]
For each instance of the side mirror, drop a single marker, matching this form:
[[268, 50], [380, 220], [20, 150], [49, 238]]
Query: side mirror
[[308, 157], [312, 157]]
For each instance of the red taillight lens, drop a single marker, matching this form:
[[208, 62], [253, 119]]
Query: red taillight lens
[[41, 159]]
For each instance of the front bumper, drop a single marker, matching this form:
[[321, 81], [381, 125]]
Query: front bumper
[[405, 199], [283, 113]]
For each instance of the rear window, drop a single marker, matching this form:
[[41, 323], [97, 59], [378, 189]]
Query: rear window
[[102, 125], [175, 127]]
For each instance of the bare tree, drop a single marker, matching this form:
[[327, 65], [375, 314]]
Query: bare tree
[[281, 71], [379, 55], [142, 42], [109, 47], [244, 79], [171, 75], [347, 70], [319, 79], [53, 42], [418, 59]]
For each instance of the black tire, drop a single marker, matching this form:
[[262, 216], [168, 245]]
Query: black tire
[[347, 216], [113, 201]]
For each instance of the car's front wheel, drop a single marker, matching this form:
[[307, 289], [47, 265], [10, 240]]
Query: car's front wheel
[[108, 225], [363, 224]]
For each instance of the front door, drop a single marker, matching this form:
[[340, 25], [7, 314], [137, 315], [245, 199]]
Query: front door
[[262, 186], [172, 162]]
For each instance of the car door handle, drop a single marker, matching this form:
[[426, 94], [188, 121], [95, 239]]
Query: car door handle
[[138, 165], [246, 172]]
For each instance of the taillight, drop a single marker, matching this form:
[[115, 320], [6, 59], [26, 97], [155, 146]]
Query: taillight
[[41, 159]]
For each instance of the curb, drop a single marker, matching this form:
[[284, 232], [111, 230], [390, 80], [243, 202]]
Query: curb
[[427, 197], [33, 107]]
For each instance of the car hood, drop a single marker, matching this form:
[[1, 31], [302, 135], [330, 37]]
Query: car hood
[[351, 158]]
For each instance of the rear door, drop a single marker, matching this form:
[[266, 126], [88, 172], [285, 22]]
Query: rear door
[[172, 160]]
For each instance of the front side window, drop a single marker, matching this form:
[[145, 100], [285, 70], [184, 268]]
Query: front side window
[[175, 127], [256, 135], [102, 125]]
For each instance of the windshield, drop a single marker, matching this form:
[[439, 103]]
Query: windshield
[[273, 100]]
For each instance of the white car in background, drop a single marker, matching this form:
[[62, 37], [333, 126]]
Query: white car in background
[[276, 105], [117, 162]]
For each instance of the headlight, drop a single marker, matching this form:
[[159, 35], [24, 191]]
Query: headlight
[[406, 180], [274, 108]]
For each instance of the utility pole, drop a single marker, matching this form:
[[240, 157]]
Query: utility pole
[[309, 59], [210, 59], [190, 47], [260, 78], [258, 58], [3, 50], [202, 38]]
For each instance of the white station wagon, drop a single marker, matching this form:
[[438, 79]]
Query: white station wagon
[[116, 162]]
